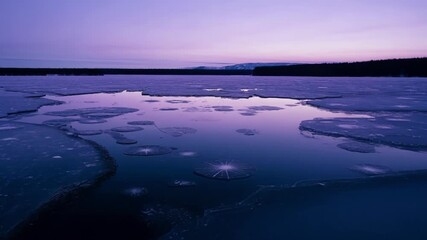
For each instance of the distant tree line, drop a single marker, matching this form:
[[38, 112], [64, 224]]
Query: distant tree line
[[109, 71], [414, 67]]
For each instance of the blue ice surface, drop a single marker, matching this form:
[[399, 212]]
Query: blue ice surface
[[17, 102], [345, 94], [394, 115], [39, 164]]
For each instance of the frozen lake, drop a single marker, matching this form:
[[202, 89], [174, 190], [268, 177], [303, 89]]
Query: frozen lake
[[227, 160]]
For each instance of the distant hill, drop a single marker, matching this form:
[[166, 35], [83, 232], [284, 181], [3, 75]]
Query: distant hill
[[413, 67], [244, 66]]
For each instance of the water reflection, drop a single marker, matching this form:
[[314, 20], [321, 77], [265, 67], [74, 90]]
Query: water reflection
[[181, 136]]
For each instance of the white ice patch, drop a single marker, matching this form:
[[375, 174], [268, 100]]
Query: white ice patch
[[9, 139], [213, 89]]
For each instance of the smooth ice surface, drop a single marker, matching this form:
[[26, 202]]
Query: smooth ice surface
[[38, 162], [408, 131], [16, 102], [386, 112]]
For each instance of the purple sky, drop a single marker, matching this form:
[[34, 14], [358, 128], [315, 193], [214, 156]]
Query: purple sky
[[184, 33]]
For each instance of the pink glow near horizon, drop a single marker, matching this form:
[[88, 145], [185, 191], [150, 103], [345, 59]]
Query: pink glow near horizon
[[170, 33]]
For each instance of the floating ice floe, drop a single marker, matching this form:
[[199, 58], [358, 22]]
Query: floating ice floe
[[380, 129], [96, 112], [223, 170], [72, 130], [126, 141], [148, 150], [142, 123], [374, 102], [168, 109], [100, 115], [357, 147], [197, 109], [92, 121], [178, 131], [87, 132], [223, 108], [136, 191], [371, 170], [120, 138], [247, 132], [248, 113], [60, 122], [151, 101], [17, 102], [182, 183], [127, 129], [178, 101], [291, 105], [265, 108]]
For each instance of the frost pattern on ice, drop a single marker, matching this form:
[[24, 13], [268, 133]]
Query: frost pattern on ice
[[227, 170], [148, 150]]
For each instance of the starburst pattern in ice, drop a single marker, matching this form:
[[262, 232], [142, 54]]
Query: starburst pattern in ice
[[148, 150], [227, 170]]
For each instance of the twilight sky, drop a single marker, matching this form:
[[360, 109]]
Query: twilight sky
[[185, 33]]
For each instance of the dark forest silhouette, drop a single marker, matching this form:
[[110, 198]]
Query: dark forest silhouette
[[414, 67]]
